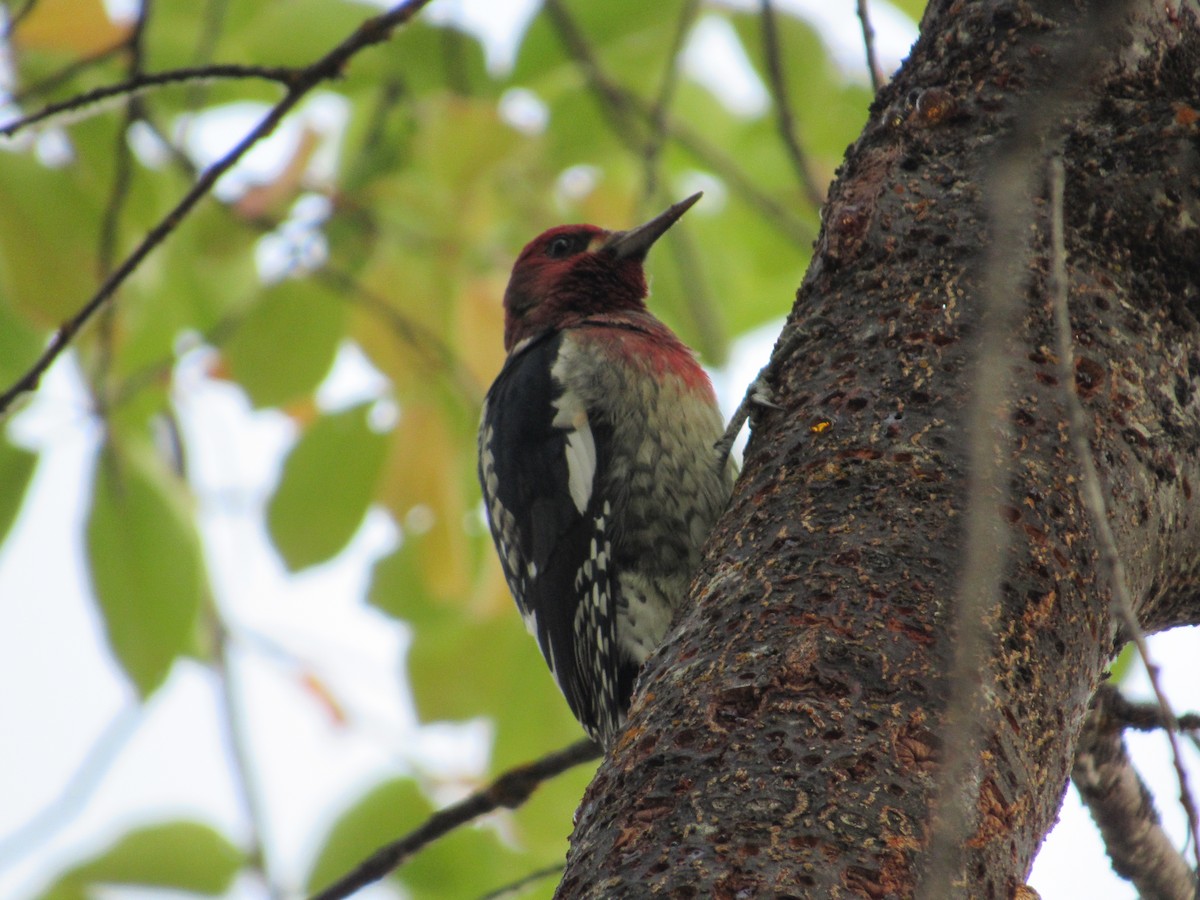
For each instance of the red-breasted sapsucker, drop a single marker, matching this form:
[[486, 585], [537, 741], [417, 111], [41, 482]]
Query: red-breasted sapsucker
[[597, 457]]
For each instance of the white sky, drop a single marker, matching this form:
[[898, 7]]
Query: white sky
[[60, 690]]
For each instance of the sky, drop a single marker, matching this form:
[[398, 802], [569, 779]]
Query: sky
[[170, 762]]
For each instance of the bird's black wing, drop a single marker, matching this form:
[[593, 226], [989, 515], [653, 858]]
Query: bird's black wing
[[542, 458]]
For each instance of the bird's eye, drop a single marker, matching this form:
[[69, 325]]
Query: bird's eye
[[559, 247]]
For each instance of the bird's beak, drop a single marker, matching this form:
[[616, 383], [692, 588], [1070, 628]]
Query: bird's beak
[[636, 242]]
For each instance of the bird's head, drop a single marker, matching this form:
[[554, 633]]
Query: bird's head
[[574, 271]]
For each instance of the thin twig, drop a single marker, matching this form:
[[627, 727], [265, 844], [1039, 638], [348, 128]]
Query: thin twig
[[652, 152], [110, 226], [435, 352], [621, 106], [372, 31], [514, 888], [1123, 808], [78, 789], [615, 102], [783, 107], [508, 791], [1112, 567], [67, 72], [142, 81], [15, 19], [241, 758], [868, 35]]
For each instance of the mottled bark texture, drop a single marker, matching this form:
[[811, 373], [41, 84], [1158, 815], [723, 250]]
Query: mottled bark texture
[[786, 739]]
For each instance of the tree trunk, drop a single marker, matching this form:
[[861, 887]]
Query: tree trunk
[[788, 738]]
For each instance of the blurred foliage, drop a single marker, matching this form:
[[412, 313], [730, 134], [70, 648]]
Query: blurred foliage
[[444, 169]]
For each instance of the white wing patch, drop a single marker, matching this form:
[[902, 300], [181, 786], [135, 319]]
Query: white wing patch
[[581, 451], [572, 417]]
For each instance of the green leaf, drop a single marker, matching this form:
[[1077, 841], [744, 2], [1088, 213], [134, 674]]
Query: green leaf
[[184, 856], [467, 862], [146, 565], [1124, 662], [20, 342], [328, 482], [16, 470], [285, 345], [389, 811], [630, 36], [296, 33], [47, 218]]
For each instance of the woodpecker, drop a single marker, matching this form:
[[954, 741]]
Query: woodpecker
[[598, 461]]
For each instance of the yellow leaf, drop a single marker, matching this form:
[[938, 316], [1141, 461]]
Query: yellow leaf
[[479, 328], [76, 26], [425, 470]]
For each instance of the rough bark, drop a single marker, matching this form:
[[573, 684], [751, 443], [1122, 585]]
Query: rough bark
[[786, 741]]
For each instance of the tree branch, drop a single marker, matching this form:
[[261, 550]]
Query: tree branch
[[1111, 566], [783, 107], [372, 31], [1122, 807], [868, 34], [1145, 716], [142, 81], [509, 791]]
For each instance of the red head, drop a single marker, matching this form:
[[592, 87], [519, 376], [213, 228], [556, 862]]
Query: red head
[[573, 271]]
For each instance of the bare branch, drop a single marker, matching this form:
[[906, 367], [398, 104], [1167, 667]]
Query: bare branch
[[508, 791], [514, 888], [372, 31], [78, 789], [868, 33], [1110, 563], [783, 107], [1145, 716], [143, 81], [1122, 807]]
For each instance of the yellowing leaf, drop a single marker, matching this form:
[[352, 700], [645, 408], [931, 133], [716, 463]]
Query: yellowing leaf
[[426, 469], [47, 218], [479, 328], [76, 26]]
